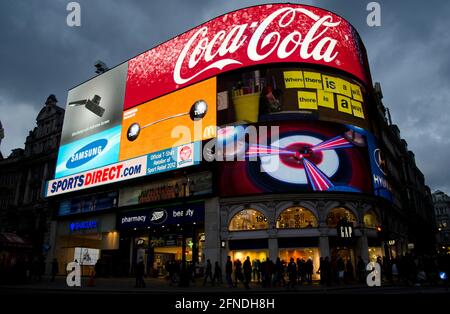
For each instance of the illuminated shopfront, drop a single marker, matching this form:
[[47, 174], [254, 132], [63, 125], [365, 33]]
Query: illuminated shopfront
[[325, 147], [89, 241], [156, 234], [296, 217], [248, 219]]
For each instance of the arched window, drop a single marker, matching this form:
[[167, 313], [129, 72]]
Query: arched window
[[337, 214], [296, 217], [248, 219], [371, 220]]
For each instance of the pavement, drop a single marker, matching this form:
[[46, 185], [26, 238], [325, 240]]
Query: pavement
[[161, 285]]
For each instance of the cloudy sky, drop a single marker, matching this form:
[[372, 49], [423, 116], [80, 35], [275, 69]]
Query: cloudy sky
[[40, 55]]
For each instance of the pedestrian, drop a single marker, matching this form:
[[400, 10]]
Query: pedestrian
[[208, 273], [394, 271], [328, 271], [229, 271], [247, 271], [360, 270], [340, 265], [292, 273], [217, 273], [255, 269], [279, 273], [349, 271], [237, 271], [321, 271], [55, 269], [140, 270], [309, 270]]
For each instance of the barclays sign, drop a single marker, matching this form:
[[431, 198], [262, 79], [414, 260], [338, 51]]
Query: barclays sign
[[83, 225]]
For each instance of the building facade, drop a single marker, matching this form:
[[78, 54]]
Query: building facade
[[304, 163], [23, 209], [441, 202]]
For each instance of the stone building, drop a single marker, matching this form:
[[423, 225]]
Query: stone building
[[23, 174]]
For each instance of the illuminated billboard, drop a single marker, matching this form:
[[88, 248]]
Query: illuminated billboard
[[86, 256], [178, 118], [92, 123], [271, 33], [285, 93], [305, 156], [150, 114]]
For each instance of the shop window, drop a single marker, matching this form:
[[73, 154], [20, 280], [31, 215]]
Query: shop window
[[371, 220], [336, 214], [248, 219], [296, 217]]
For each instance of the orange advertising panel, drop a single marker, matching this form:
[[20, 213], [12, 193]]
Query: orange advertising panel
[[181, 117]]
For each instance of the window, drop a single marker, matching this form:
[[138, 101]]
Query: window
[[248, 219], [296, 217], [337, 214], [371, 220]]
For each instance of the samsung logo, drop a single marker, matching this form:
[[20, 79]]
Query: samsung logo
[[86, 153]]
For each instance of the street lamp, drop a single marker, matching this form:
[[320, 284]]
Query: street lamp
[[184, 277]]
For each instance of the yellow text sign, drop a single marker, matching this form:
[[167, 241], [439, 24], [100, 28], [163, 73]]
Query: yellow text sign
[[312, 80], [356, 92], [307, 100], [357, 109], [325, 99], [344, 104], [293, 79], [330, 83]]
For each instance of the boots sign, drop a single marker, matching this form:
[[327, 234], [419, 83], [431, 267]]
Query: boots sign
[[255, 35]]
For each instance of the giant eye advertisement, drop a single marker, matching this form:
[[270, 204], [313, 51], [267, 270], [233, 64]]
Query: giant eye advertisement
[[305, 156]]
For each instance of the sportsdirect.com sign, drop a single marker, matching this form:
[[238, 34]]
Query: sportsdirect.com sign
[[129, 169]]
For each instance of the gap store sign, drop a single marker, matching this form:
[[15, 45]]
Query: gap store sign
[[162, 216]]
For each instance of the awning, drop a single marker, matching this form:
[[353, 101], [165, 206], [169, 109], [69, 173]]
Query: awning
[[13, 240]]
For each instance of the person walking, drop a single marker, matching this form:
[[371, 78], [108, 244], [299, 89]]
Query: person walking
[[208, 273], [55, 269], [292, 273], [140, 270], [229, 272], [348, 271], [217, 274], [360, 270], [247, 271], [340, 265], [309, 268]]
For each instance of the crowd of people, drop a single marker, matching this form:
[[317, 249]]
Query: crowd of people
[[403, 270]]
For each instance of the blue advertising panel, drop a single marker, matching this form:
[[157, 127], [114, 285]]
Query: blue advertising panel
[[94, 151], [381, 186], [174, 158], [163, 216], [88, 203]]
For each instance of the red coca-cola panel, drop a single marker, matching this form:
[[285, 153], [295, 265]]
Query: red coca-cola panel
[[247, 37]]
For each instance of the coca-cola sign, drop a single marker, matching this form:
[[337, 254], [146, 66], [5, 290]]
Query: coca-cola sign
[[247, 37]]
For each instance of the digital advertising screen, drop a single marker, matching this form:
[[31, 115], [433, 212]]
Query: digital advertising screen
[[282, 93], [88, 203], [92, 123], [185, 116], [86, 256], [305, 156], [151, 113]]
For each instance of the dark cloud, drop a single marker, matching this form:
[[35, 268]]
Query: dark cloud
[[40, 55]]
